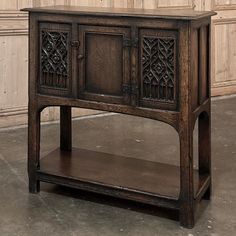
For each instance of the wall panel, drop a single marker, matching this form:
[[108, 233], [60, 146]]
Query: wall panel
[[224, 57], [13, 43], [24, 3], [175, 3], [8, 4], [224, 47], [13, 61], [224, 4]]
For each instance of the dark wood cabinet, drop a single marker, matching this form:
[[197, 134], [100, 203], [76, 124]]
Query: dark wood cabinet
[[148, 63], [104, 63]]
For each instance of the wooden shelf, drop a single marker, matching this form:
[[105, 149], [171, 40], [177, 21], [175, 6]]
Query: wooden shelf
[[116, 176]]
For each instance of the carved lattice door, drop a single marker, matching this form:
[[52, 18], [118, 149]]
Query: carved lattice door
[[158, 68], [55, 59]]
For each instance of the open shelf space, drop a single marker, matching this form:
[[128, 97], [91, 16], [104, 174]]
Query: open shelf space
[[117, 175]]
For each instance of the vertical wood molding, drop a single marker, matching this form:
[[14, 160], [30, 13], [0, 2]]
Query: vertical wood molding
[[223, 47]]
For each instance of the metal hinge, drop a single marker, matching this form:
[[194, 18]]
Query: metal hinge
[[75, 44], [134, 89], [126, 89], [130, 89], [128, 42]]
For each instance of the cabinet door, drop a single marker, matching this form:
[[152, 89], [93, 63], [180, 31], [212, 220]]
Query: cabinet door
[[158, 68], [54, 59], [104, 64]]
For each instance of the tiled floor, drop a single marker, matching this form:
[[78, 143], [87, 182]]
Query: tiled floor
[[62, 211]]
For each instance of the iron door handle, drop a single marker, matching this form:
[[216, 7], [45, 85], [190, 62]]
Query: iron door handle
[[80, 57]]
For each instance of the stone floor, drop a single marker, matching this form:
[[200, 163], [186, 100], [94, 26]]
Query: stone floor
[[63, 211]]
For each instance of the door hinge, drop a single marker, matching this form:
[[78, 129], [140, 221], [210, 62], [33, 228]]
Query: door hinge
[[130, 89], [126, 89], [134, 89], [75, 44], [128, 42]]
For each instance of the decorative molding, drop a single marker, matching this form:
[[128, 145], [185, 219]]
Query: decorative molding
[[222, 7], [177, 7], [157, 4], [223, 90], [189, 5], [218, 87], [224, 21], [5, 14], [12, 111], [13, 23], [158, 68], [224, 84], [54, 70]]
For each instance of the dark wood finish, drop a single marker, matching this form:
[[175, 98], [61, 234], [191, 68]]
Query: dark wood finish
[[158, 68], [121, 12], [104, 64], [121, 173], [148, 63], [65, 128], [55, 57]]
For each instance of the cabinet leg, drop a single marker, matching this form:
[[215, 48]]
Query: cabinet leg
[[33, 149], [187, 218], [187, 210], [34, 185], [204, 148], [207, 195], [65, 128]]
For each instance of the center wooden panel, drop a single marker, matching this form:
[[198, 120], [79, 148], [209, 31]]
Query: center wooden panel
[[104, 59], [104, 64]]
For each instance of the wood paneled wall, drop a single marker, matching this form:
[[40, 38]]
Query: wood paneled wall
[[14, 48]]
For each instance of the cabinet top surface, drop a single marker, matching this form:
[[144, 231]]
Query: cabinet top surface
[[182, 14]]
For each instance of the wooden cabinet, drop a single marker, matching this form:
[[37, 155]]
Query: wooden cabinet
[[148, 63]]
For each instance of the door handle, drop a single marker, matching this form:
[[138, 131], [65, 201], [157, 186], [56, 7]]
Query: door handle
[[130, 89], [80, 57], [75, 44]]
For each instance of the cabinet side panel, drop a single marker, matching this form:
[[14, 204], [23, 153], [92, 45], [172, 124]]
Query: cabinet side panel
[[204, 63], [195, 67]]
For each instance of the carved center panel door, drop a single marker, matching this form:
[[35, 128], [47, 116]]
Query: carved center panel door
[[104, 64]]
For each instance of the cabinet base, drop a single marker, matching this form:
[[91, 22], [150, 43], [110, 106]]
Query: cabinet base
[[129, 178]]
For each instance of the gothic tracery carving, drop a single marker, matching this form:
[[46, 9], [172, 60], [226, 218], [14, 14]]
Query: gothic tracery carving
[[54, 58], [158, 61]]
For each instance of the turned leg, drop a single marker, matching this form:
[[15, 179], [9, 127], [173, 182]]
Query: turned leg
[[33, 148], [187, 217], [204, 148], [65, 128]]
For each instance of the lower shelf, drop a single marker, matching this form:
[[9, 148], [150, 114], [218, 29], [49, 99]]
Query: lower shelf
[[129, 178]]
